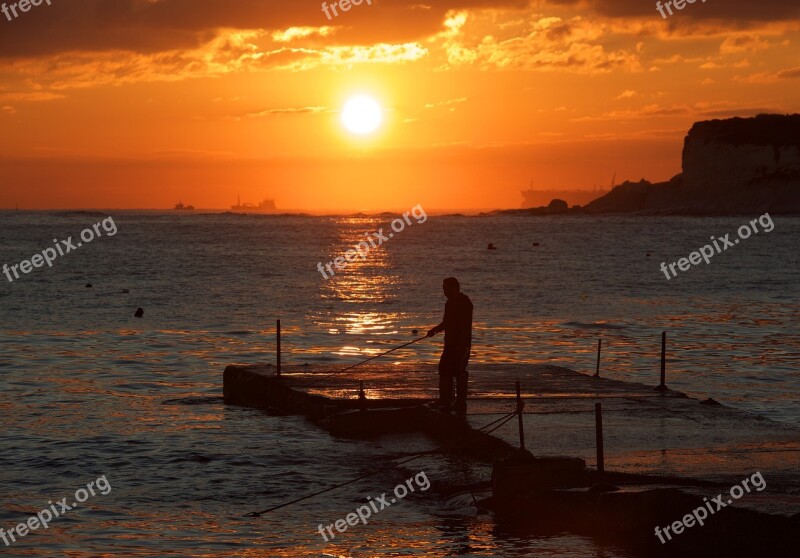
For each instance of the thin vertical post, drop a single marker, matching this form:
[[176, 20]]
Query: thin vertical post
[[520, 406], [279, 347], [597, 370], [663, 385], [598, 434]]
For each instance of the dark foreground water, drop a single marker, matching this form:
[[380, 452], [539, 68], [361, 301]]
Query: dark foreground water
[[88, 390]]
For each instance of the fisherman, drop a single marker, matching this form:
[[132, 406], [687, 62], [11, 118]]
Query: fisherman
[[457, 327]]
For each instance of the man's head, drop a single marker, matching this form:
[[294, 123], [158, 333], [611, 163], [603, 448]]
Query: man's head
[[451, 287]]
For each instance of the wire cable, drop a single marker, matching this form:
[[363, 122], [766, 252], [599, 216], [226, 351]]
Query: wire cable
[[351, 481]]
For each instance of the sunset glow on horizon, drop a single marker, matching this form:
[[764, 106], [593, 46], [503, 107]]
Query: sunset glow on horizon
[[141, 104]]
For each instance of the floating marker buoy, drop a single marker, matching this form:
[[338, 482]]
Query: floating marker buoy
[[491, 247], [88, 285], [536, 244], [414, 332], [125, 291], [139, 313]]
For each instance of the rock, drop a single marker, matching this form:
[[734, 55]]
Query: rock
[[559, 206], [732, 166]]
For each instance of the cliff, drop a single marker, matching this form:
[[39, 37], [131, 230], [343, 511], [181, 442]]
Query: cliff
[[738, 165]]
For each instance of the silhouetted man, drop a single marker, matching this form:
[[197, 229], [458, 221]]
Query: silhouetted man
[[457, 327]]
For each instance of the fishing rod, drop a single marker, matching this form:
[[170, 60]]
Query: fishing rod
[[365, 361]]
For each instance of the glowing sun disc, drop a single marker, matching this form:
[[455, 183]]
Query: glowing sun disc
[[361, 115]]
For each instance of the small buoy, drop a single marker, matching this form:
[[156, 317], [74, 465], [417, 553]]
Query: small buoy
[[536, 244], [491, 247], [414, 332], [648, 254], [88, 285], [125, 291], [139, 313]]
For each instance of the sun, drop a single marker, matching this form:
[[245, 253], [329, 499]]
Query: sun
[[362, 114]]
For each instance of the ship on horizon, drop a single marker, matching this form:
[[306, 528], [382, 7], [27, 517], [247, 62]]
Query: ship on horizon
[[539, 198], [266, 205], [180, 207]]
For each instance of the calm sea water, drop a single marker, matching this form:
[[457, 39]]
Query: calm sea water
[[88, 390]]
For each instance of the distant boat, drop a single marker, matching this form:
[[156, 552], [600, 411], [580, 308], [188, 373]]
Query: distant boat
[[180, 207], [266, 205]]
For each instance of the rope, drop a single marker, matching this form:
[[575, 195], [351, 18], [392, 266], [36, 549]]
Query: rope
[[508, 418], [511, 414], [351, 481]]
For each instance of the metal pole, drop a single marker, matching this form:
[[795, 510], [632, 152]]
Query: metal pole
[[279, 348], [598, 434], [597, 371], [663, 385], [520, 406]]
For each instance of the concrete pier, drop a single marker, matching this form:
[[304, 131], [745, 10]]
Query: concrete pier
[[663, 450]]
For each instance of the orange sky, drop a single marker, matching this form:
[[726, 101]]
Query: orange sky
[[140, 103]]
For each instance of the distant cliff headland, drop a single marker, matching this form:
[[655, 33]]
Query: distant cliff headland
[[737, 165]]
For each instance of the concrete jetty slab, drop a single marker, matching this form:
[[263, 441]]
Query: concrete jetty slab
[[646, 432], [357, 417], [665, 450]]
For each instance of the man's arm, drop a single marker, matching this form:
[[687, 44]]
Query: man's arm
[[436, 329]]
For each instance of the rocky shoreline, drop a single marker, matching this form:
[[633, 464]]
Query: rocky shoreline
[[730, 167]]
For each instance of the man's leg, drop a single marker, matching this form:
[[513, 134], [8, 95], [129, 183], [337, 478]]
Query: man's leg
[[445, 388], [461, 392]]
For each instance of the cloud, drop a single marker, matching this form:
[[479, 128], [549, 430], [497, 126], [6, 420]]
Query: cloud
[[446, 103], [648, 111], [282, 111], [231, 52], [627, 94], [742, 43], [149, 26], [770, 77], [548, 44], [728, 10], [34, 96], [292, 33], [741, 112]]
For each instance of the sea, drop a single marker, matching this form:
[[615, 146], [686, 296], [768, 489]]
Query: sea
[[90, 391]]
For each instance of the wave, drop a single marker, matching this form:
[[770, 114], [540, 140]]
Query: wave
[[596, 325]]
